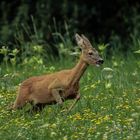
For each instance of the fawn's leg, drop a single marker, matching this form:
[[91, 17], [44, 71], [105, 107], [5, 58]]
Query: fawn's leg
[[21, 98], [75, 101], [56, 87], [37, 108]]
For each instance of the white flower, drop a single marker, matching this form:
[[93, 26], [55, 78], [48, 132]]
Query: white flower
[[107, 69]]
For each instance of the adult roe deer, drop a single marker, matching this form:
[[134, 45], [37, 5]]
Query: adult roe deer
[[59, 86]]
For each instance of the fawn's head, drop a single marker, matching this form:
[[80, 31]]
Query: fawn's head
[[89, 54]]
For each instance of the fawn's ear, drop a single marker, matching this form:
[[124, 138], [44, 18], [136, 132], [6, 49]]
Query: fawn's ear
[[80, 41], [86, 39]]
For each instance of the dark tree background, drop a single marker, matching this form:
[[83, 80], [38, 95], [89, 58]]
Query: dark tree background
[[100, 19]]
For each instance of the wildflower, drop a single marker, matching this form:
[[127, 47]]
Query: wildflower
[[53, 134], [106, 118], [75, 136], [107, 69], [102, 47], [107, 73], [53, 125], [52, 68], [37, 115], [93, 86], [98, 122], [135, 115], [115, 64], [77, 117], [105, 137], [108, 85], [91, 129], [65, 138], [45, 125], [138, 51], [38, 48]]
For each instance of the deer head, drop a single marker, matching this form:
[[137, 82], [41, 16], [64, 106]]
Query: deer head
[[89, 54]]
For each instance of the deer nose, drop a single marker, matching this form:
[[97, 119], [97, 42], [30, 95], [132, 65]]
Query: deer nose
[[101, 61]]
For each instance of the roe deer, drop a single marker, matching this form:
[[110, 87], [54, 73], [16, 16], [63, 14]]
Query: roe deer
[[60, 86]]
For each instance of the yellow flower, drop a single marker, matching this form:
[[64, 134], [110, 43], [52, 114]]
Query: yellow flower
[[98, 121], [106, 118], [65, 138]]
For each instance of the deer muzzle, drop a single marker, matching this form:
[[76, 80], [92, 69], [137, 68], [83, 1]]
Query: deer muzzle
[[99, 62]]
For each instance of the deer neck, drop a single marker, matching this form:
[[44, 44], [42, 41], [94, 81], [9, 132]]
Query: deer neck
[[78, 71]]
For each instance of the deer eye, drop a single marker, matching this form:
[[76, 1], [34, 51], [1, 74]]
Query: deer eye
[[90, 53]]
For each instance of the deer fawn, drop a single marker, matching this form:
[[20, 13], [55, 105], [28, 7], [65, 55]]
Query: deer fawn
[[59, 86]]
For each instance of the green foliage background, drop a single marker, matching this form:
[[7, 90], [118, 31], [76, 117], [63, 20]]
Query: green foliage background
[[36, 21]]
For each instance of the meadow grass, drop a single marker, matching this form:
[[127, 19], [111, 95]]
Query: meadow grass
[[109, 108]]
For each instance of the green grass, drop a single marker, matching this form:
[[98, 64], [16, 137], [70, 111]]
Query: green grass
[[109, 108]]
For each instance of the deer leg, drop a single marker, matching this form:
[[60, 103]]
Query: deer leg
[[37, 108], [21, 99], [56, 95], [75, 101], [56, 87]]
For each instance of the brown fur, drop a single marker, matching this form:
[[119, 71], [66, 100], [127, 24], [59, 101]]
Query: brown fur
[[59, 86]]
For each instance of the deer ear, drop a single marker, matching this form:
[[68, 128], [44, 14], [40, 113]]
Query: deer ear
[[85, 38], [79, 40], [86, 41]]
